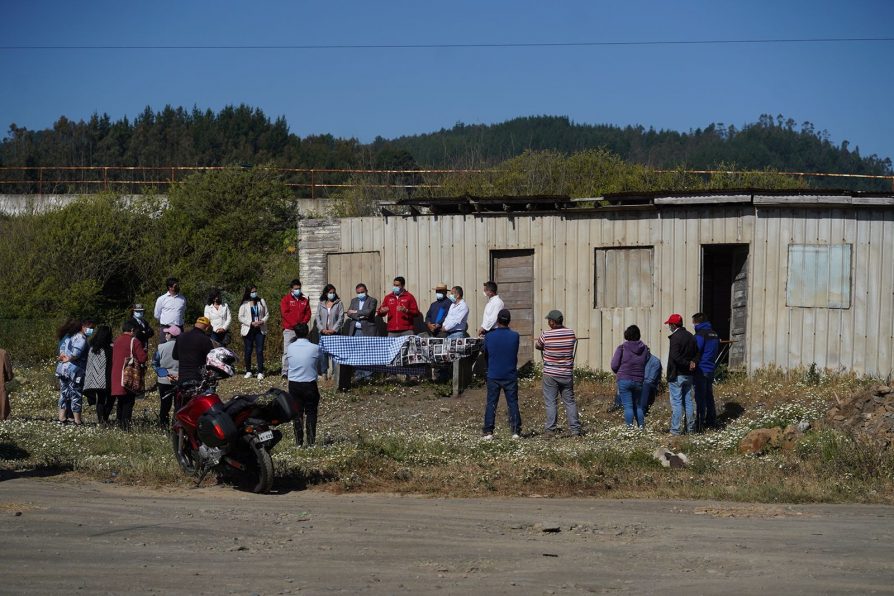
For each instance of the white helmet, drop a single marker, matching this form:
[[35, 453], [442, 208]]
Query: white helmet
[[220, 361]]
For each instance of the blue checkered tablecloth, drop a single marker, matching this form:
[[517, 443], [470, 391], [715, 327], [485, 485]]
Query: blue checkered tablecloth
[[362, 351]]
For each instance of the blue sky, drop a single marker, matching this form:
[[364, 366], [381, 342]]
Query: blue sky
[[844, 88]]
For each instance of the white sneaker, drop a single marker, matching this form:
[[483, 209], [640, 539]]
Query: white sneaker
[[515, 437], [487, 438], [260, 376], [248, 375]]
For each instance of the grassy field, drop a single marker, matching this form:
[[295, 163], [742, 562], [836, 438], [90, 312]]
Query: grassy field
[[415, 439]]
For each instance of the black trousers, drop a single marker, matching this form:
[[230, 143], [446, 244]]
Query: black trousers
[[166, 394], [102, 399], [125, 410], [308, 397]]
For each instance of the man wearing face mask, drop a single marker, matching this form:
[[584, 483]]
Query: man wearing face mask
[[400, 308], [457, 321], [362, 312], [142, 330], [295, 309], [170, 308], [437, 312], [361, 319], [491, 309]]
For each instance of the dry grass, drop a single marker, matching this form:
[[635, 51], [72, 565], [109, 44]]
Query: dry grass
[[395, 438]]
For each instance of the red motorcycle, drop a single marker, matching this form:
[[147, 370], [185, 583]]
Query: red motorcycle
[[233, 438]]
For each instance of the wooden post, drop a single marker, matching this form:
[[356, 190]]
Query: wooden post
[[462, 375], [343, 375]]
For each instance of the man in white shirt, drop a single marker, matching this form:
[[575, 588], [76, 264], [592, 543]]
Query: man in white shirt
[[492, 308], [170, 308], [457, 321]]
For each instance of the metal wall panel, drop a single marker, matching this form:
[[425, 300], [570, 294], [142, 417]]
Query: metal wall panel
[[858, 336]]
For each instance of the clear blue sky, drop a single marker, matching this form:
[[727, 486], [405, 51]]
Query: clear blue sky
[[847, 89]]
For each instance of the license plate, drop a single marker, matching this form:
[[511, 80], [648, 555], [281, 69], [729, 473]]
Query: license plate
[[267, 435]]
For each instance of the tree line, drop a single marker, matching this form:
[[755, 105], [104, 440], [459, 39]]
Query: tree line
[[243, 135]]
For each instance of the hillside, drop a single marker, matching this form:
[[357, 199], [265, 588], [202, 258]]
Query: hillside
[[245, 135]]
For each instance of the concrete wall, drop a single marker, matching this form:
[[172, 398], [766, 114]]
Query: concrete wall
[[12, 204]]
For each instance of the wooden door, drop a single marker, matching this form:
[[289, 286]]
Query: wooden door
[[513, 271], [346, 270]]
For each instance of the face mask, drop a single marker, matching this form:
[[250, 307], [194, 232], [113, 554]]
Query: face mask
[[330, 296], [296, 293], [451, 297], [485, 295], [396, 289], [254, 294], [439, 296], [138, 315], [361, 295], [88, 331]]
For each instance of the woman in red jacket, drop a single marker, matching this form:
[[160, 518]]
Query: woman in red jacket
[[125, 345]]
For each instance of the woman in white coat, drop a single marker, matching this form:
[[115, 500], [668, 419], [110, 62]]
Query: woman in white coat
[[218, 312], [253, 315]]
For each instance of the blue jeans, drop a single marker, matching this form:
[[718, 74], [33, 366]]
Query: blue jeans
[[254, 339], [630, 392], [552, 388], [510, 388], [680, 398], [646, 398], [705, 410]]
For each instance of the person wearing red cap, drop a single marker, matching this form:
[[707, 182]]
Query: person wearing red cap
[[680, 366]]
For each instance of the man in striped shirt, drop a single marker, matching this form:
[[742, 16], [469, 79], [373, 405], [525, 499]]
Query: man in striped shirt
[[558, 346]]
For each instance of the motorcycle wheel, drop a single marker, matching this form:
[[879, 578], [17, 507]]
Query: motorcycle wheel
[[258, 474], [184, 457]]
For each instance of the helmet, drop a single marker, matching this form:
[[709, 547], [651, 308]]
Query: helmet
[[219, 361]]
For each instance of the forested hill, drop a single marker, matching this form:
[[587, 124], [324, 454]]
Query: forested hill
[[770, 142], [245, 135]]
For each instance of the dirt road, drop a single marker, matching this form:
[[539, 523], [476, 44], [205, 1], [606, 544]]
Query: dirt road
[[61, 536]]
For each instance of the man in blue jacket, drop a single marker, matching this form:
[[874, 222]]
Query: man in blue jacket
[[501, 348], [708, 343]]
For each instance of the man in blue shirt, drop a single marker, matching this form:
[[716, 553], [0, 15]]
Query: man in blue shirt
[[708, 343], [302, 357], [501, 349], [437, 312]]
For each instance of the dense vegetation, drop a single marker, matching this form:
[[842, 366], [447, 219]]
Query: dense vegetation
[[245, 135], [96, 256]]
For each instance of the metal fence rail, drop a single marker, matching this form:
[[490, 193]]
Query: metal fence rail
[[306, 182]]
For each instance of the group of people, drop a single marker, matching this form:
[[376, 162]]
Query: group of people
[[690, 375], [91, 362]]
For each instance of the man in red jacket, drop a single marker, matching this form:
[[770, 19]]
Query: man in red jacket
[[400, 308], [294, 308]]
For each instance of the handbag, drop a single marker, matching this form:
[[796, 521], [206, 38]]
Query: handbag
[[133, 375]]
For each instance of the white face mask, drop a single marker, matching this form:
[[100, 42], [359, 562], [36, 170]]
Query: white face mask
[[296, 293], [330, 296], [396, 289], [361, 295], [452, 297], [439, 295]]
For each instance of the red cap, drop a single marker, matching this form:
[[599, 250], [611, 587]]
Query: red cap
[[674, 319]]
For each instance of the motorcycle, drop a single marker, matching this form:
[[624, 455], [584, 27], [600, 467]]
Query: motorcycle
[[233, 438]]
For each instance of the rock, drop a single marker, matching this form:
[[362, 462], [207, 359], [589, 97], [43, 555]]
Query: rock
[[759, 440], [549, 527], [882, 390], [803, 426], [790, 437]]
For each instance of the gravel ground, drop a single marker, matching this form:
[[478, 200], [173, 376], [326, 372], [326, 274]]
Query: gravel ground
[[63, 536]]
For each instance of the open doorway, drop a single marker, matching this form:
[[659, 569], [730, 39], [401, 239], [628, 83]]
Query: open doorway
[[725, 296]]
